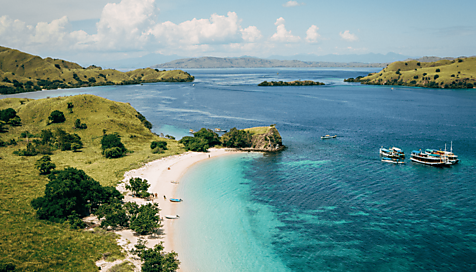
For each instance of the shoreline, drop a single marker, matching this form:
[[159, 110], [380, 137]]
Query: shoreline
[[164, 176]]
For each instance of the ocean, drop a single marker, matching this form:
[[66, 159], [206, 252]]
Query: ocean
[[320, 205]]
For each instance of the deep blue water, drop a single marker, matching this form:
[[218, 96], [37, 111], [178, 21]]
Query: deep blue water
[[321, 205]]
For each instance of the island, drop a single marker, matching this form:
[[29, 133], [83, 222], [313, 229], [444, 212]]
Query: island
[[23, 72], [453, 74], [291, 83], [101, 159]]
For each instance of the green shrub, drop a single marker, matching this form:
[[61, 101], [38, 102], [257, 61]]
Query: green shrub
[[113, 152], [112, 146], [44, 165], [160, 144], [436, 76], [56, 117], [438, 70]]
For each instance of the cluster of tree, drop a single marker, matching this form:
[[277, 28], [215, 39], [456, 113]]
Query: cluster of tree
[[111, 146], [48, 141], [236, 138], [144, 121], [158, 146], [155, 259], [143, 219], [8, 117], [71, 194], [77, 124], [291, 83], [201, 140]]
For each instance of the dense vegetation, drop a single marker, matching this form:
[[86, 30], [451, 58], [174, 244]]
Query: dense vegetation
[[454, 74], [33, 244], [22, 72], [201, 140], [291, 83]]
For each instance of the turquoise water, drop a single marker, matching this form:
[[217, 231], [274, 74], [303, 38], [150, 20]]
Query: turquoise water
[[319, 205], [220, 228]]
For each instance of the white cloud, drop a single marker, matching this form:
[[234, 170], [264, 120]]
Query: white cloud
[[312, 35], [282, 35], [217, 29], [292, 4], [251, 34], [347, 36]]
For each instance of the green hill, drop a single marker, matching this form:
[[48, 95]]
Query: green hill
[[458, 73], [36, 245], [22, 72]]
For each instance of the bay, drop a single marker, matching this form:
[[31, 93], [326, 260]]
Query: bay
[[321, 205]]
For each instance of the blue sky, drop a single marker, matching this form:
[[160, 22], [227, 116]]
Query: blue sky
[[89, 30]]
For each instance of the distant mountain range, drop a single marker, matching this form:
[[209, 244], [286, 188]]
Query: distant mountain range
[[156, 60], [251, 62]]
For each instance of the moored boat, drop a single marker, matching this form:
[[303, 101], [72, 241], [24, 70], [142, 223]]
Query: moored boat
[[176, 200], [429, 159], [393, 152], [172, 216], [393, 160], [450, 156], [328, 137]]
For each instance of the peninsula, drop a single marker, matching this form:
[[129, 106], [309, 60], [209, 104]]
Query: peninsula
[[101, 142], [22, 72], [291, 83], [455, 74]]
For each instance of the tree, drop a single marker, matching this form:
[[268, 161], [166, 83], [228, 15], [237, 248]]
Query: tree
[[208, 135], [194, 144], [146, 219], [138, 186], [114, 215], [112, 143], [69, 192], [155, 259], [7, 114], [56, 117], [158, 146], [236, 138], [44, 165]]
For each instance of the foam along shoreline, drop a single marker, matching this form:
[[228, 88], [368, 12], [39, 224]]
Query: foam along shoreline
[[163, 176]]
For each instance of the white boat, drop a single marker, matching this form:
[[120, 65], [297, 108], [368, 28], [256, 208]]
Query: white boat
[[451, 158], [393, 160], [393, 152], [328, 137], [172, 216], [429, 159]]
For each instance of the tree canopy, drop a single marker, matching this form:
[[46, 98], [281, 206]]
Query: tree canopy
[[72, 192], [138, 186], [155, 259], [56, 117], [236, 138], [111, 146]]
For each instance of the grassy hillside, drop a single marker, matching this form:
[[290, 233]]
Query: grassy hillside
[[22, 72], [34, 245], [458, 73]]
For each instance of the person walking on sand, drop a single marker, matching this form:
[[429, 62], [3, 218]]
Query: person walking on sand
[[165, 197]]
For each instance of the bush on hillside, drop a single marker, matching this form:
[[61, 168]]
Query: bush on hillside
[[111, 146], [44, 165], [56, 117]]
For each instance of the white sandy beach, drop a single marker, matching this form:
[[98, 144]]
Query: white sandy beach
[[164, 176]]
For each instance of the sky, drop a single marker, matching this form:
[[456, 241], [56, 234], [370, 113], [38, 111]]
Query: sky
[[101, 30]]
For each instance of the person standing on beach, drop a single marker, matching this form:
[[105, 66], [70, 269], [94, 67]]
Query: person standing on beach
[[165, 197]]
